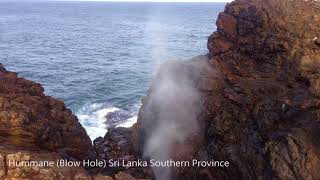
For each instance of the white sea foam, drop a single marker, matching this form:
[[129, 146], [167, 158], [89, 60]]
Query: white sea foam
[[129, 123], [93, 119]]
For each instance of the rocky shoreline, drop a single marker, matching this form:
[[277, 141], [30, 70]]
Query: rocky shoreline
[[252, 101]]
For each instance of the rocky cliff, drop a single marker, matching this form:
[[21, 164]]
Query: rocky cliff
[[29, 119], [35, 128], [253, 100], [256, 102], [38, 128]]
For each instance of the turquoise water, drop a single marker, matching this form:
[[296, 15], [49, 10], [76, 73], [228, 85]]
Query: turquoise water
[[100, 57]]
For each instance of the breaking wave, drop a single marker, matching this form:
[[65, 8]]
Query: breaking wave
[[98, 117]]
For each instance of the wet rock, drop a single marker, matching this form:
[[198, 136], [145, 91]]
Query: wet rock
[[2, 69], [116, 144], [116, 118]]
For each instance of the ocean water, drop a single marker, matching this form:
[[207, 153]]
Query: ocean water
[[100, 57]]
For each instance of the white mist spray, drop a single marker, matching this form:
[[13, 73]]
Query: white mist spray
[[174, 99]]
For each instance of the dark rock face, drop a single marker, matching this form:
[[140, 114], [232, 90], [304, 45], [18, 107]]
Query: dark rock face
[[267, 118], [116, 144], [2, 69], [29, 119], [38, 128], [259, 98]]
